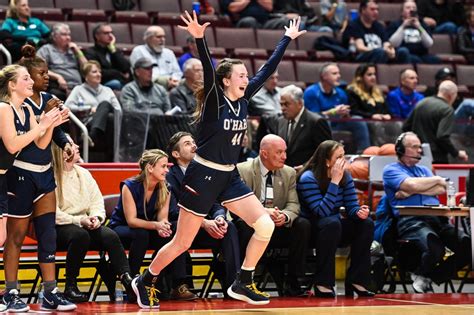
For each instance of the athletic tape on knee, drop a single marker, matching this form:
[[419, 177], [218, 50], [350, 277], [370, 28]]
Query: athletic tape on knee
[[263, 227], [45, 229]]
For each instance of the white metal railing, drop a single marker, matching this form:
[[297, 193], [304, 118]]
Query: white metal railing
[[85, 136]]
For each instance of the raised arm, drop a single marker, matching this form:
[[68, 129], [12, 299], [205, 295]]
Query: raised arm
[[291, 32], [210, 84]]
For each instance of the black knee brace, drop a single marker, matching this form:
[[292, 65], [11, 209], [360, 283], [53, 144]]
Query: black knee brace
[[45, 228]]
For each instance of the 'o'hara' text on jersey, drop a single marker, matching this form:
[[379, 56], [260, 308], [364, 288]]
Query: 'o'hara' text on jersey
[[223, 122]]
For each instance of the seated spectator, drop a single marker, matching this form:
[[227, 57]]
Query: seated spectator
[[404, 98], [98, 100], [329, 100], [115, 67], [335, 15], [365, 98], [254, 14], [216, 232], [166, 70], [442, 16], [370, 38], [246, 152], [80, 214], [206, 7], [412, 33], [274, 184], [142, 92], [182, 96], [465, 42], [267, 100], [291, 9], [64, 59], [302, 129], [141, 217], [324, 187], [409, 184], [23, 28], [433, 121], [192, 53]]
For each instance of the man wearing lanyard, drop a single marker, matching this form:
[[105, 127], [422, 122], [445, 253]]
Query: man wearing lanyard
[[274, 184]]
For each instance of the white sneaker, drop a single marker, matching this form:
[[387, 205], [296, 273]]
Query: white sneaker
[[3, 307], [421, 284]]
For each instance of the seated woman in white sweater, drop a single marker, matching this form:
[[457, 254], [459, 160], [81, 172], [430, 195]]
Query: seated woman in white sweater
[[80, 214], [93, 102]]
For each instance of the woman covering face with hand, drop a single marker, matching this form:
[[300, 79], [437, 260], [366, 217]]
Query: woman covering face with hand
[[324, 187]]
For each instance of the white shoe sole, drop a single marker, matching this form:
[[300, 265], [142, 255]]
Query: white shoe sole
[[22, 310], [137, 293], [244, 298], [60, 308]]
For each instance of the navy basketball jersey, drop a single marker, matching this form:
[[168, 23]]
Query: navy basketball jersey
[[31, 153], [38, 109], [37, 155], [223, 123], [144, 211], [6, 158]]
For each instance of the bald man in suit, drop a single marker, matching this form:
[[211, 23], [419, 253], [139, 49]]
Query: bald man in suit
[[274, 184], [302, 130]]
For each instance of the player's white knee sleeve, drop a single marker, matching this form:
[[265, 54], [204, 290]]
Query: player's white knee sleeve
[[263, 227]]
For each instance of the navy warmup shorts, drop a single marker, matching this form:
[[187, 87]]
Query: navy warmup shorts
[[203, 186]]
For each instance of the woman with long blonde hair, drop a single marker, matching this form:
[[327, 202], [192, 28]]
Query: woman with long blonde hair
[[141, 215], [80, 215], [365, 97], [24, 137]]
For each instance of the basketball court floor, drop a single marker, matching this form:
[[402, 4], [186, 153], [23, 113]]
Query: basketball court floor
[[386, 304]]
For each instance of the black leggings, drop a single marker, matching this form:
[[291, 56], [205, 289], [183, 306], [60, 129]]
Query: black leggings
[[139, 241], [77, 241]]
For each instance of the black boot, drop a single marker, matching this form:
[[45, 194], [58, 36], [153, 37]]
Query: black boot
[[126, 280], [73, 294]]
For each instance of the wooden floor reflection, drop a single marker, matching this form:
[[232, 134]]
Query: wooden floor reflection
[[388, 304]]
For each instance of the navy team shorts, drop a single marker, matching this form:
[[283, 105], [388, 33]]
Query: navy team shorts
[[3, 195], [25, 188], [203, 186]]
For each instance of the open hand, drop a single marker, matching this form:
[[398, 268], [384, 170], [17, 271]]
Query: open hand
[[293, 31], [192, 25]]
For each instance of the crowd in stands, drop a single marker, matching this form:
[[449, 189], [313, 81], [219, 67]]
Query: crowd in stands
[[289, 158], [170, 86]]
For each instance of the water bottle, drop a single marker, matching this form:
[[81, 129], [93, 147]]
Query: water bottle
[[352, 46], [80, 103], [118, 292], [197, 7], [451, 195], [40, 294]]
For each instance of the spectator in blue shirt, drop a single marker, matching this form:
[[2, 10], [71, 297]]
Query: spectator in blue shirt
[[323, 188], [409, 184], [23, 28], [328, 99], [404, 98]]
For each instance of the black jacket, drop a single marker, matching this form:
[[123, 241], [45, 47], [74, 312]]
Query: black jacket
[[110, 70]]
